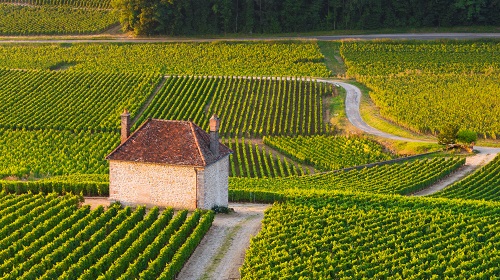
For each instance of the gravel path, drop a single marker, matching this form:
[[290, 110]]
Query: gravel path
[[222, 250], [472, 163], [352, 102]]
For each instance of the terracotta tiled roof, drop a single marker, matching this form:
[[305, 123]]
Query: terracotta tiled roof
[[169, 142]]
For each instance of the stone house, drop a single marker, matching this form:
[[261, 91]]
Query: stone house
[[169, 163]]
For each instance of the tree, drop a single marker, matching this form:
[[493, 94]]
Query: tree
[[143, 17], [467, 139], [466, 136], [448, 134]]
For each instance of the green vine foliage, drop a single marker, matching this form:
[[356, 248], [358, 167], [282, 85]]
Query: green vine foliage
[[51, 238], [348, 235], [423, 86]]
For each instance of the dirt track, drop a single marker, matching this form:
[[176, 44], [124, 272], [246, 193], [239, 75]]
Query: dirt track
[[222, 250], [472, 163]]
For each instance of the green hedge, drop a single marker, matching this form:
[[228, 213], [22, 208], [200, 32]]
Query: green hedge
[[84, 188]]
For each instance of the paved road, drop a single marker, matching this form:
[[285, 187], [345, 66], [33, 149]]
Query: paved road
[[414, 36], [483, 157], [124, 39], [352, 102]]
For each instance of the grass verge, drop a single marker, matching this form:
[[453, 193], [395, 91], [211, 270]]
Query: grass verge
[[403, 148], [371, 115], [488, 143], [333, 60]]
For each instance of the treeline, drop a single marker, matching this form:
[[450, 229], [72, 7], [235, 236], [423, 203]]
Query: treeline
[[172, 17]]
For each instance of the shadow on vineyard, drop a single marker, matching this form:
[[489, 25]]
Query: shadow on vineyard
[[63, 65]]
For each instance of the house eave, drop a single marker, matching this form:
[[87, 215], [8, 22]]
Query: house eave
[[157, 163]]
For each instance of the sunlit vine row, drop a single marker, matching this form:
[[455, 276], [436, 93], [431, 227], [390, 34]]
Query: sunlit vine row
[[348, 235], [400, 178], [247, 107], [228, 59], [330, 152], [59, 240], [48, 152], [53, 152], [482, 184], [43, 20], [252, 160], [70, 100], [101, 4]]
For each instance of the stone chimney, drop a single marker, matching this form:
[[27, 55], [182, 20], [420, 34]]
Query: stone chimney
[[214, 135], [125, 124]]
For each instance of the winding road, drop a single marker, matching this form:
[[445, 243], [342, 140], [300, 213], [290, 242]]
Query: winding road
[[352, 103], [353, 100]]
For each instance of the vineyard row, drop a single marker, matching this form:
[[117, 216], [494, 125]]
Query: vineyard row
[[51, 238], [346, 235], [484, 184], [400, 178], [50, 20]]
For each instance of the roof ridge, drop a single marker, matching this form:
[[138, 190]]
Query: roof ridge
[[192, 126], [169, 142], [179, 121]]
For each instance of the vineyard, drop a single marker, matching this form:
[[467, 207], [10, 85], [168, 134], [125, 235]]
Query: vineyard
[[248, 107], [48, 237], [330, 152], [399, 178], [51, 20], [484, 184], [250, 160], [402, 178], [70, 100], [348, 235], [47, 131], [279, 59], [49, 152], [59, 115], [52, 152], [91, 4], [421, 86]]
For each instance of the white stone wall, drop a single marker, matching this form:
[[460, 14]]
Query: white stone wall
[[214, 190], [134, 183]]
